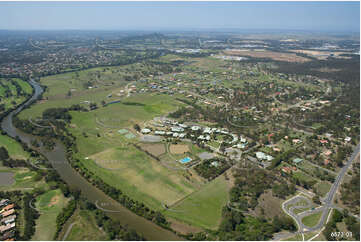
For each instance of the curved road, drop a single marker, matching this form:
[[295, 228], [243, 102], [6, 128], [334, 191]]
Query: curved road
[[327, 201]]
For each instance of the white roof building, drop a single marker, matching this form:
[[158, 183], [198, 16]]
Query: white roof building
[[182, 135], [177, 129], [159, 132], [263, 156], [195, 128], [243, 140], [145, 131], [347, 139], [207, 131]]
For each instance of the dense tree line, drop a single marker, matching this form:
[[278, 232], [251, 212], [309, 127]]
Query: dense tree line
[[352, 225], [64, 215], [210, 171], [350, 191], [30, 215]]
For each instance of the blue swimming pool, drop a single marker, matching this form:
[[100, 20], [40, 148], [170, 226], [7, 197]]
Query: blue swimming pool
[[185, 160]]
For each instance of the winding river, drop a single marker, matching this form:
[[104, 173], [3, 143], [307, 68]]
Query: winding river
[[57, 158]]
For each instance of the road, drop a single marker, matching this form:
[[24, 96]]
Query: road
[[68, 230], [327, 202]]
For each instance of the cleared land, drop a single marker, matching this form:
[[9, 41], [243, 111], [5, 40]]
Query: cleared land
[[204, 207], [144, 178], [154, 149], [289, 57], [178, 149]]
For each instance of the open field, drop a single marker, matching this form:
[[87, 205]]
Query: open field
[[203, 208], [117, 162], [49, 205], [321, 55], [178, 148], [322, 188], [14, 148], [289, 57], [140, 176], [154, 149]]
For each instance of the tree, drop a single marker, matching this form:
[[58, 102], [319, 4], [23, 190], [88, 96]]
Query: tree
[[316, 199], [137, 127], [4, 155]]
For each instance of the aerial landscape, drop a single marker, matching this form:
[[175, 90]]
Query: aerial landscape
[[170, 121]]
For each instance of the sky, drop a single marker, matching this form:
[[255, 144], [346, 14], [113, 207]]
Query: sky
[[310, 16]]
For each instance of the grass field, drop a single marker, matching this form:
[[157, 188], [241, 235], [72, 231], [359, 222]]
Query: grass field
[[84, 228], [204, 207], [303, 176], [14, 148], [120, 164], [312, 219], [49, 205], [322, 188], [140, 176]]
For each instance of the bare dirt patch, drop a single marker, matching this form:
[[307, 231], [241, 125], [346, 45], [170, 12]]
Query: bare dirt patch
[[179, 149], [278, 56], [154, 149], [183, 228], [322, 55], [54, 200], [325, 69]]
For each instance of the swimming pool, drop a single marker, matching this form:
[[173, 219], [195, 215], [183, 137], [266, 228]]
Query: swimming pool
[[185, 160]]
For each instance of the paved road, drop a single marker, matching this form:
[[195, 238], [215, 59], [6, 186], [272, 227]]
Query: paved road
[[327, 202], [68, 231]]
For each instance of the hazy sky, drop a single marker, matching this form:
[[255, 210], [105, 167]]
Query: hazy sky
[[328, 16]]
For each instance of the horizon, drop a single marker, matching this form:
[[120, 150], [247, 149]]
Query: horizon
[[338, 17]]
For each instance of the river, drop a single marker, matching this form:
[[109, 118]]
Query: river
[[57, 158]]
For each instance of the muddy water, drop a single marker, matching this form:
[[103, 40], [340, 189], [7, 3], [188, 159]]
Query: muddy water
[[57, 158]]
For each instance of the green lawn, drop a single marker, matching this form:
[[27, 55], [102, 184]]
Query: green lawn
[[49, 205], [204, 207], [323, 188], [302, 176], [14, 148], [312, 220]]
